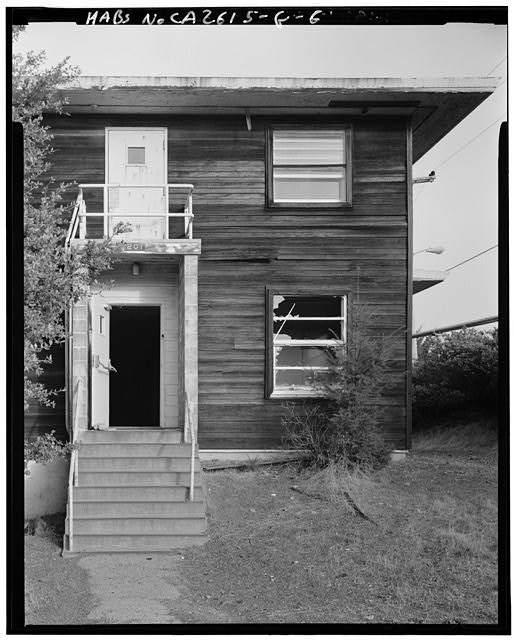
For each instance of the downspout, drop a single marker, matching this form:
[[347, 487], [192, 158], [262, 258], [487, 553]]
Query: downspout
[[68, 358]]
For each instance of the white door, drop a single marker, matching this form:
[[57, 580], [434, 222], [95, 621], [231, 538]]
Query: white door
[[136, 159], [101, 365]]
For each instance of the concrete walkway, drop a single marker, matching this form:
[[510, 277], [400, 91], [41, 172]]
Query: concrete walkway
[[133, 588]]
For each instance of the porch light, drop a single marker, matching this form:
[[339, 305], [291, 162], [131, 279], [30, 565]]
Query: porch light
[[135, 268]]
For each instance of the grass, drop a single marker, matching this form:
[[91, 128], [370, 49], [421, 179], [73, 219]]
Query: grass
[[288, 546], [56, 590], [468, 437]]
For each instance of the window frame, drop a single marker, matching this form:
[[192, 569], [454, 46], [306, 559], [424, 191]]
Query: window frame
[[270, 202], [135, 164], [270, 392]]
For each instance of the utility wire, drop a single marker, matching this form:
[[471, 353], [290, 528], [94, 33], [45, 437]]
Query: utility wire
[[463, 147], [469, 142], [478, 134], [472, 257], [497, 65]]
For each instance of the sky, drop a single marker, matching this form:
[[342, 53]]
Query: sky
[[458, 211]]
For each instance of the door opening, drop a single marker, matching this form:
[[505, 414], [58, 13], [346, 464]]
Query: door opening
[[134, 398]]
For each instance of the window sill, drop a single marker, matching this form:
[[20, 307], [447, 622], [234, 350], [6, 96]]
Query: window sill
[[307, 208], [295, 395]]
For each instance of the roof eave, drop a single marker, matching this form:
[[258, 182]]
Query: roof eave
[[434, 105], [423, 279]]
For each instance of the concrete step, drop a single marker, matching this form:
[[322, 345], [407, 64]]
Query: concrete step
[[134, 449], [86, 464], [160, 509], [168, 436], [136, 478], [138, 526], [134, 494], [130, 543]]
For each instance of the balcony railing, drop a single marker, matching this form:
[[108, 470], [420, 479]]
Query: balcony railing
[[109, 220]]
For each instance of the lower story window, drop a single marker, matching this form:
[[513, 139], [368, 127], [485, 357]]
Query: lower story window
[[304, 329]]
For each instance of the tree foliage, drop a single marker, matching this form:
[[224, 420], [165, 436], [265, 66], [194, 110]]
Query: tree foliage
[[53, 277], [456, 371], [44, 449], [344, 426]]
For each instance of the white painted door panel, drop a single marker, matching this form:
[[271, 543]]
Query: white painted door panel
[[101, 364], [136, 158]]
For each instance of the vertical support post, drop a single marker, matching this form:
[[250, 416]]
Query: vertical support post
[[79, 363], [186, 219], [408, 373], [190, 211], [188, 344], [106, 210], [68, 385], [82, 220], [167, 210]]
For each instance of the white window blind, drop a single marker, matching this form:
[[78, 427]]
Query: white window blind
[[309, 166]]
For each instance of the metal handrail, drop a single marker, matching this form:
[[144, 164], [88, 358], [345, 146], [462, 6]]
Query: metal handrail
[[101, 185], [134, 214], [74, 465], [80, 214], [72, 229], [71, 476]]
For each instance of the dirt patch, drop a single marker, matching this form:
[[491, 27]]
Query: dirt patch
[[137, 589], [130, 588]]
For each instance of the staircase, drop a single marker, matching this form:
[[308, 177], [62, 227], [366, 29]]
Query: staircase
[[132, 493]]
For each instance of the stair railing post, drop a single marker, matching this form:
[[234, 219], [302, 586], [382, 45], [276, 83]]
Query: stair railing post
[[190, 211], [74, 467], [82, 218], [193, 445], [70, 505], [186, 218]]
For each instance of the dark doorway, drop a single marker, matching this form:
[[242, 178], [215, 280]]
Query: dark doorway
[[134, 394]]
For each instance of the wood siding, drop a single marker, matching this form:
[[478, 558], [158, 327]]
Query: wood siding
[[40, 420], [246, 247]]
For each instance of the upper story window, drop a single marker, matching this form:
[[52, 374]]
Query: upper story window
[[309, 167]]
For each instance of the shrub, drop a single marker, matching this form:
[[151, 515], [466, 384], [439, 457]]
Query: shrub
[[342, 425], [44, 449], [455, 372]]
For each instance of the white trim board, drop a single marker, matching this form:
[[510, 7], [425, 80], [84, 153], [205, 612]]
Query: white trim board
[[268, 455], [245, 455], [142, 291]]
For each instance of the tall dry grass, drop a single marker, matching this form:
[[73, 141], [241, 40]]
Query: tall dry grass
[[477, 436], [341, 484]]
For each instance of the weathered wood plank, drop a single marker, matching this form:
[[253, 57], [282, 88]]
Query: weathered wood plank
[[313, 249]]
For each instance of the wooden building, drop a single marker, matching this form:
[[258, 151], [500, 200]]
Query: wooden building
[[258, 210]]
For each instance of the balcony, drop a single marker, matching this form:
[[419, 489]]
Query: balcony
[[132, 213]]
